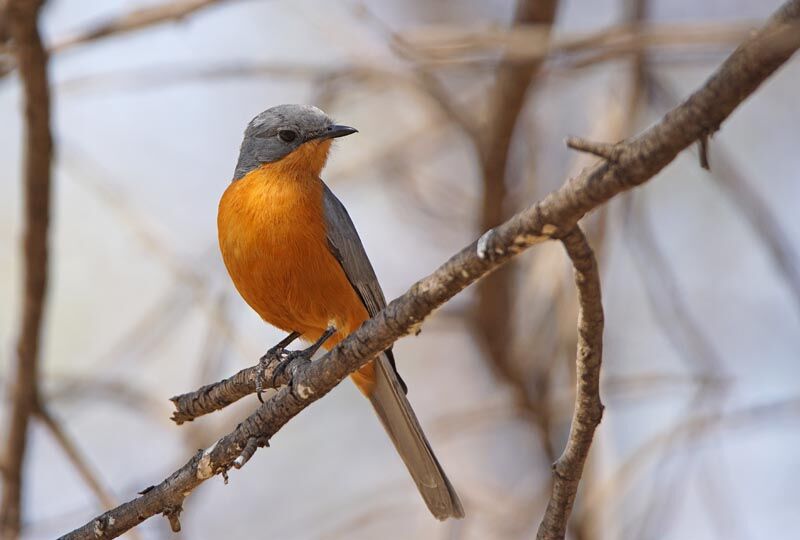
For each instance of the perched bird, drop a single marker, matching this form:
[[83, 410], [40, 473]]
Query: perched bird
[[295, 257]]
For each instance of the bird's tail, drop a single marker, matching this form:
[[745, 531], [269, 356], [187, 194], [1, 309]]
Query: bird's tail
[[400, 422]]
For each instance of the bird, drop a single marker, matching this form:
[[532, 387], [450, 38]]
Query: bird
[[293, 253]]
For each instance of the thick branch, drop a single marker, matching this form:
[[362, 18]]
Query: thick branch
[[640, 159], [30, 55]]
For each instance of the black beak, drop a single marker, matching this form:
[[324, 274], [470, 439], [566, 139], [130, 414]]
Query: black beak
[[335, 130]]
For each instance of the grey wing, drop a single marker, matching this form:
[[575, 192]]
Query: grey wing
[[346, 247]]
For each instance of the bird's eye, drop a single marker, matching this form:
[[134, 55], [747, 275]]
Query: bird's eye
[[287, 135]]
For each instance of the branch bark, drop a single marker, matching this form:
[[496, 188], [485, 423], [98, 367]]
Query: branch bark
[[218, 395], [22, 20], [554, 217], [567, 470]]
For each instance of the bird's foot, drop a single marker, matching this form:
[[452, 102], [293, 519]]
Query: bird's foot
[[275, 354], [289, 363]]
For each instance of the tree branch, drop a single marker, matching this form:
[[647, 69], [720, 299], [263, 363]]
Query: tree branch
[[22, 19], [218, 395], [458, 46], [135, 20], [78, 460], [554, 217], [495, 300], [567, 470], [761, 218], [559, 53]]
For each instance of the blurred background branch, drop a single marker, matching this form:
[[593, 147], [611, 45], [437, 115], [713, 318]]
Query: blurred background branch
[[138, 19], [21, 23]]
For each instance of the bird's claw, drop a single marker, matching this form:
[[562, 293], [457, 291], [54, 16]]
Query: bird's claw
[[289, 362], [275, 354]]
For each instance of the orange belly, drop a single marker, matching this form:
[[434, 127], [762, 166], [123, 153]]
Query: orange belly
[[273, 242]]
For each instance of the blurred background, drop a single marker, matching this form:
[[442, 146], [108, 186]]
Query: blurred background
[[462, 108]]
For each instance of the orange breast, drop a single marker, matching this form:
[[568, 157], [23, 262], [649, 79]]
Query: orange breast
[[273, 241]]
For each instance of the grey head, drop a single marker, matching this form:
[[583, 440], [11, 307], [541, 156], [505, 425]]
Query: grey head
[[277, 132]]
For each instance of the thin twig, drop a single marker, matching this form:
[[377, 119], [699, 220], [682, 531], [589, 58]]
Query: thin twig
[[666, 299], [686, 335], [561, 54], [137, 19], [567, 470], [607, 151], [432, 46], [425, 79], [90, 173], [613, 487], [86, 388], [74, 455], [762, 219], [702, 150], [218, 395]]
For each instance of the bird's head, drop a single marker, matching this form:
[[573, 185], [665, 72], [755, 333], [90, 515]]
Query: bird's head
[[294, 138]]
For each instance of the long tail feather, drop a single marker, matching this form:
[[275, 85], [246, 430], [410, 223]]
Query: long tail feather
[[401, 424]]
